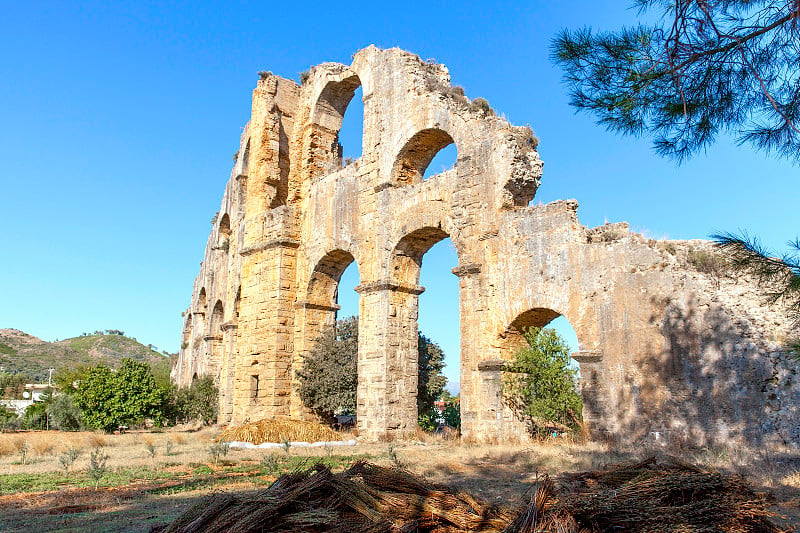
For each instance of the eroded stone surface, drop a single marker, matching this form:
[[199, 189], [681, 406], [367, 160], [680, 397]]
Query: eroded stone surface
[[666, 352]]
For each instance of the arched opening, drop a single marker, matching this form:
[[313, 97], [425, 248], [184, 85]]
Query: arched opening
[[202, 301], [439, 317], [434, 314], [333, 139], [512, 340], [216, 320], [430, 151], [351, 134], [331, 289], [224, 232], [237, 302]]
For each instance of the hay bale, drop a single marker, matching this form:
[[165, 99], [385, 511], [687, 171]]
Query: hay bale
[[279, 430]]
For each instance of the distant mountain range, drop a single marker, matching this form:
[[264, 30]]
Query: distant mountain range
[[21, 352]]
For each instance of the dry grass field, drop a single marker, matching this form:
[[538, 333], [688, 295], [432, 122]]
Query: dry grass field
[[151, 477]]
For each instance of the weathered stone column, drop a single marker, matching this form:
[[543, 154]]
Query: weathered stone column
[[266, 319], [593, 391], [387, 359], [478, 410], [227, 373]]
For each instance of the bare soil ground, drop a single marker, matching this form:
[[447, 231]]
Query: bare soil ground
[[140, 490]]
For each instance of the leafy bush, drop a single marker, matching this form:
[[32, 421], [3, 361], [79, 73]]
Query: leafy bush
[[706, 262], [328, 379], [35, 416], [200, 401], [126, 397], [540, 386], [64, 413], [8, 419]]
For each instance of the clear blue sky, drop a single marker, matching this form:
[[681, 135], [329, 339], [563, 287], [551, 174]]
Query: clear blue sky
[[119, 121]]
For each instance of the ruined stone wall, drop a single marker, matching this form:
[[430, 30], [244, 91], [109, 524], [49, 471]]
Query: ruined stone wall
[[666, 351]]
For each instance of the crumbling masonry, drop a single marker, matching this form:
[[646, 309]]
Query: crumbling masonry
[[669, 349]]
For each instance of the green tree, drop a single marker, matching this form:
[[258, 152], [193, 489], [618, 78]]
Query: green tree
[[12, 385], [126, 396], [430, 379], [704, 67], [200, 401], [540, 386], [328, 379], [64, 414]]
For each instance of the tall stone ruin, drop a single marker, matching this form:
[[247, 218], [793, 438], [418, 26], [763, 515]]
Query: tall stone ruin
[[670, 347]]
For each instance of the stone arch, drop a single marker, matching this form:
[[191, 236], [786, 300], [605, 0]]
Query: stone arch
[[408, 253], [323, 284], [217, 318], [418, 152], [224, 232], [591, 370], [326, 120], [512, 337], [202, 300], [317, 312]]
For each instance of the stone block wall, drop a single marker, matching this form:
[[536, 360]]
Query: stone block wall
[[666, 351]]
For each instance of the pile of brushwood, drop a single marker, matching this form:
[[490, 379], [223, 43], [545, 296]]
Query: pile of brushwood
[[647, 496], [653, 496]]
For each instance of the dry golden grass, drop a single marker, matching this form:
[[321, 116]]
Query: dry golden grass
[[179, 438], [280, 430], [96, 439], [18, 442], [6, 446], [42, 443], [148, 440]]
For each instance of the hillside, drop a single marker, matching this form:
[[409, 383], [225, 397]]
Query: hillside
[[21, 352]]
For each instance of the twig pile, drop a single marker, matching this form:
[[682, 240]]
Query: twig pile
[[363, 498], [666, 496], [646, 496], [641, 497], [279, 430]]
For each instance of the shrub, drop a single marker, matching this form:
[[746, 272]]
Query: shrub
[[97, 465], [67, 458], [8, 418], [126, 397], [200, 401], [540, 386], [64, 414], [304, 77], [706, 262], [482, 105]]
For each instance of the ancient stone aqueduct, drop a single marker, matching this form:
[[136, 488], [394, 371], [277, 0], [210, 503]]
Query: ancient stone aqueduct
[[666, 351]]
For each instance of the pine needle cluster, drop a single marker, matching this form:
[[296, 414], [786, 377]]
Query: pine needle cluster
[[704, 68]]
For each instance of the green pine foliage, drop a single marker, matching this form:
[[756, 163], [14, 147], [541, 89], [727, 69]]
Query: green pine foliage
[[540, 386], [701, 69]]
